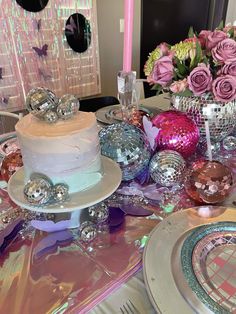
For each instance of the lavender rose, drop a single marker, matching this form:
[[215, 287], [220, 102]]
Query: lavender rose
[[163, 71], [225, 51], [214, 38], [200, 80], [229, 69], [224, 88]]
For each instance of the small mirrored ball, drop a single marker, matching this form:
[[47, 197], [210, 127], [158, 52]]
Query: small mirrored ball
[[68, 105], [50, 116], [167, 168], [38, 191], [87, 231], [99, 212], [60, 192], [40, 100], [229, 143]]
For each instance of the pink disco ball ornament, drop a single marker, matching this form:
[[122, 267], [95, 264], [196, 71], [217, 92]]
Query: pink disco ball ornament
[[177, 132], [208, 182]]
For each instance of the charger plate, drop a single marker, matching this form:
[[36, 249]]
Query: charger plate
[[112, 114], [103, 189], [174, 265]]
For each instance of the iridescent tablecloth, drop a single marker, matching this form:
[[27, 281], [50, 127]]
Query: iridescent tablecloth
[[58, 273]]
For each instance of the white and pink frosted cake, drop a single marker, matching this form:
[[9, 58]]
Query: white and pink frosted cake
[[67, 151]]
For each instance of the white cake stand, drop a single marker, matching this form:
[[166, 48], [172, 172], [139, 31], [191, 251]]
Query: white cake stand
[[104, 188]]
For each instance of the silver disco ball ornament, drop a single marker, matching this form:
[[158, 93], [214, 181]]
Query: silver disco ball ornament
[[87, 231], [50, 117], [220, 116], [40, 100], [38, 190], [128, 146], [167, 168], [229, 143], [99, 212], [60, 192], [68, 105]]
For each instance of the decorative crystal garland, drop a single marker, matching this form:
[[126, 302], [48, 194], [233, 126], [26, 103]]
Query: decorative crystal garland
[[103, 217]]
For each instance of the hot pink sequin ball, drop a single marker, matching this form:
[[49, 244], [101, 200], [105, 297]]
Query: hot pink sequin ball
[[177, 132]]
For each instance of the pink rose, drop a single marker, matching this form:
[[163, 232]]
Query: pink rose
[[202, 37], [164, 48], [214, 38], [179, 86], [224, 88], [230, 28], [200, 80], [163, 71], [229, 69], [225, 51], [191, 40]]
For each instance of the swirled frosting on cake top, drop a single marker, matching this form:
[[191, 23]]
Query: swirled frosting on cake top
[[31, 126]]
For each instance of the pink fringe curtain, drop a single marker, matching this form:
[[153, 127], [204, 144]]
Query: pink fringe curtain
[[62, 70]]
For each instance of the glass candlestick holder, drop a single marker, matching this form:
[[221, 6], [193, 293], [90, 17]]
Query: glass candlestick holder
[[127, 94]]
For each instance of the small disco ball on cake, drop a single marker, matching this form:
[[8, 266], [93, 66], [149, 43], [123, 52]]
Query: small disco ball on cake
[[128, 146], [208, 181], [40, 100], [167, 168], [177, 132], [68, 105]]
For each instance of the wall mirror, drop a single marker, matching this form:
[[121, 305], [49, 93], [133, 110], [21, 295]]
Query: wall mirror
[[78, 32], [32, 5]]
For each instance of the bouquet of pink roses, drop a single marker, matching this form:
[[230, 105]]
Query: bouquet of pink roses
[[203, 63]]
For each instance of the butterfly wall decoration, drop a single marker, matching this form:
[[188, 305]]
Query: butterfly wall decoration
[[45, 74], [4, 100], [37, 24], [71, 27], [41, 52]]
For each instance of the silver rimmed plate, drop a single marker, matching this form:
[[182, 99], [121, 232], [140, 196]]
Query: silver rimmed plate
[[112, 114], [166, 282], [103, 189]]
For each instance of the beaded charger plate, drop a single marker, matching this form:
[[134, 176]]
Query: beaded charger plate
[[208, 260], [104, 188], [189, 262]]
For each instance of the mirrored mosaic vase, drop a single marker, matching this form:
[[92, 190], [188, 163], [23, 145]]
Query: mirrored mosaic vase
[[221, 116]]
